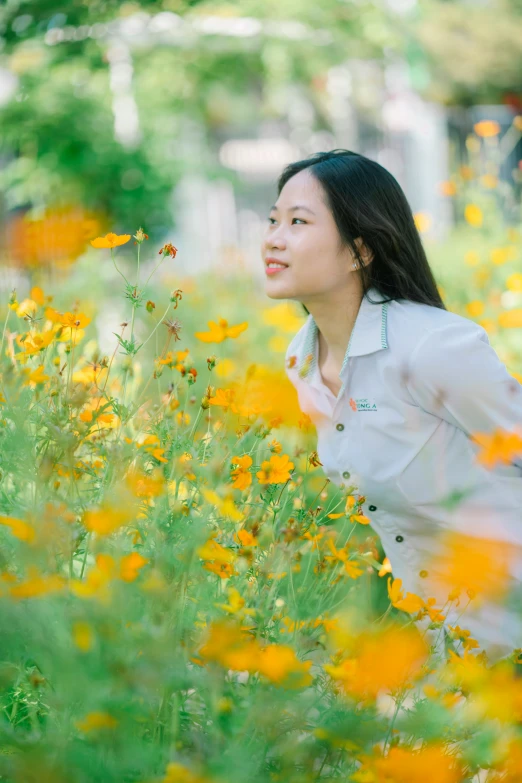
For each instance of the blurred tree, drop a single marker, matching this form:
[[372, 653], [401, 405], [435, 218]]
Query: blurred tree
[[58, 141]]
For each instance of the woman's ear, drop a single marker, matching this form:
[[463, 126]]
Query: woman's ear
[[366, 253]]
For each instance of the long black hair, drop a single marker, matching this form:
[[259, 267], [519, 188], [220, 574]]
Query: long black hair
[[367, 201]]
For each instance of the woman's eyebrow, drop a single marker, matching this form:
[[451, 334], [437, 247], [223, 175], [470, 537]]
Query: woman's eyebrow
[[294, 209]]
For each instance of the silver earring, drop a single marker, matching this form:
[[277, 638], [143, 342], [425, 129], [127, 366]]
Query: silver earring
[[355, 265]]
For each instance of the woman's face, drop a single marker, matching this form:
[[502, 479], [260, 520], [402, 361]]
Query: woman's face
[[302, 233]]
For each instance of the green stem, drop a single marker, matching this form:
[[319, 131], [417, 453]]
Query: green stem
[[156, 267], [3, 332], [159, 322], [116, 266]]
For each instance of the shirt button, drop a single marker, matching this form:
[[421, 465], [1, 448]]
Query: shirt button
[[346, 474], [339, 427], [423, 574], [400, 539], [372, 508]]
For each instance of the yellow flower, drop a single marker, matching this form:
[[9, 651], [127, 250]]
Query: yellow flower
[[489, 181], [177, 773], [501, 255], [83, 636], [36, 342], [514, 282], [96, 720], [362, 519], [475, 308], [36, 376], [236, 603], [220, 331], [110, 240], [473, 215], [27, 307], [472, 258], [511, 319], [422, 221]]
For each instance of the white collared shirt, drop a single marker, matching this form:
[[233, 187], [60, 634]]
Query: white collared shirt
[[417, 381]]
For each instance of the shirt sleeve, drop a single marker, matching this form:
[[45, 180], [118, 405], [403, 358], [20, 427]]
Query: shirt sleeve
[[455, 373]]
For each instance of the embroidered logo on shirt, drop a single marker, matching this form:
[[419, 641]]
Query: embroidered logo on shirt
[[363, 404]]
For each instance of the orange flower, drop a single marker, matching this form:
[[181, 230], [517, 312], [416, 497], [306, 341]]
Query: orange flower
[[385, 661], [19, 528], [241, 475], [211, 550], [105, 520], [223, 570], [362, 519], [245, 538], [168, 250], [130, 566], [447, 188], [411, 604], [224, 398], [486, 128], [431, 764], [220, 331], [386, 567], [75, 320], [481, 566], [96, 584], [110, 240], [499, 446], [276, 470], [279, 664], [37, 585]]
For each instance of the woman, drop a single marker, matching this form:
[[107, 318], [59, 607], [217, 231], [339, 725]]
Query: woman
[[399, 388]]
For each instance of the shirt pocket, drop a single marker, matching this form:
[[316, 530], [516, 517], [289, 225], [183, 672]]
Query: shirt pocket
[[444, 466]]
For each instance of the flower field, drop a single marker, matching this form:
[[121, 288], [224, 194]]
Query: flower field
[[184, 596]]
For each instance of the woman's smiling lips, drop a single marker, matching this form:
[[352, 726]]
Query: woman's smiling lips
[[271, 270]]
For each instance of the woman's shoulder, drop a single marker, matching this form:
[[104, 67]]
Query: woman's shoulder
[[410, 323]]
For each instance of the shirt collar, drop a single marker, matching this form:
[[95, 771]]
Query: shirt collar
[[369, 334]]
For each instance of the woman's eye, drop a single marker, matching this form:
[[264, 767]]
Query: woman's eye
[[301, 221]]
